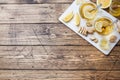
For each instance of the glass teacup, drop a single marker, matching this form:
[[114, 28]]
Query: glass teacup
[[114, 9], [107, 25]]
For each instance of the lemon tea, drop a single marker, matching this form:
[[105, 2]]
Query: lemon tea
[[85, 11], [106, 27], [115, 8]]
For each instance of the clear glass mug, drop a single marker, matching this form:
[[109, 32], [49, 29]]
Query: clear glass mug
[[114, 9]]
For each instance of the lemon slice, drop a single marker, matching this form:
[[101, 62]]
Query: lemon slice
[[86, 11], [68, 17], [106, 23], [77, 19], [104, 44], [105, 3], [98, 26]]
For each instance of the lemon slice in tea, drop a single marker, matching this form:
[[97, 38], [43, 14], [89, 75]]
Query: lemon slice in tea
[[98, 26]]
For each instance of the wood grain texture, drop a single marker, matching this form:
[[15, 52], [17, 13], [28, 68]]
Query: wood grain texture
[[39, 34], [58, 75], [34, 45], [58, 57], [31, 13], [35, 1]]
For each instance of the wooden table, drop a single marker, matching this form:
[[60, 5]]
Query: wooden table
[[34, 45]]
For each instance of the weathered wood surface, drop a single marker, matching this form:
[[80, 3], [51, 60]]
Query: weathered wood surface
[[58, 75], [58, 57], [31, 13], [34, 45], [35, 1], [39, 34]]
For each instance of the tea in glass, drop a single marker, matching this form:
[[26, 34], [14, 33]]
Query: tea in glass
[[114, 9]]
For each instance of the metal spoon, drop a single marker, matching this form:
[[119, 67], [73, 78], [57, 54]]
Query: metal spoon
[[98, 6], [114, 22]]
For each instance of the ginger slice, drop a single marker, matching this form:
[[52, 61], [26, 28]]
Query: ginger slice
[[83, 31], [91, 30], [94, 39], [113, 39], [89, 23]]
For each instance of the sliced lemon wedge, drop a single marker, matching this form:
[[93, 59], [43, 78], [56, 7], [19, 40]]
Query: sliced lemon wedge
[[68, 17], [105, 3], [98, 26], [77, 19]]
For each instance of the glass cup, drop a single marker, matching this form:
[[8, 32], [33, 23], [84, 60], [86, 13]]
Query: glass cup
[[114, 9], [106, 27]]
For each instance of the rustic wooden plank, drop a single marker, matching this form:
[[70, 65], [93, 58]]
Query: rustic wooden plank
[[35, 13], [58, 57], [35, 1], [39, 34], [58, 75]]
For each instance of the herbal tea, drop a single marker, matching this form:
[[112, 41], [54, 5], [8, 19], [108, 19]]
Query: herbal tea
[[103, 27], [115, 8], [87, 11]]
